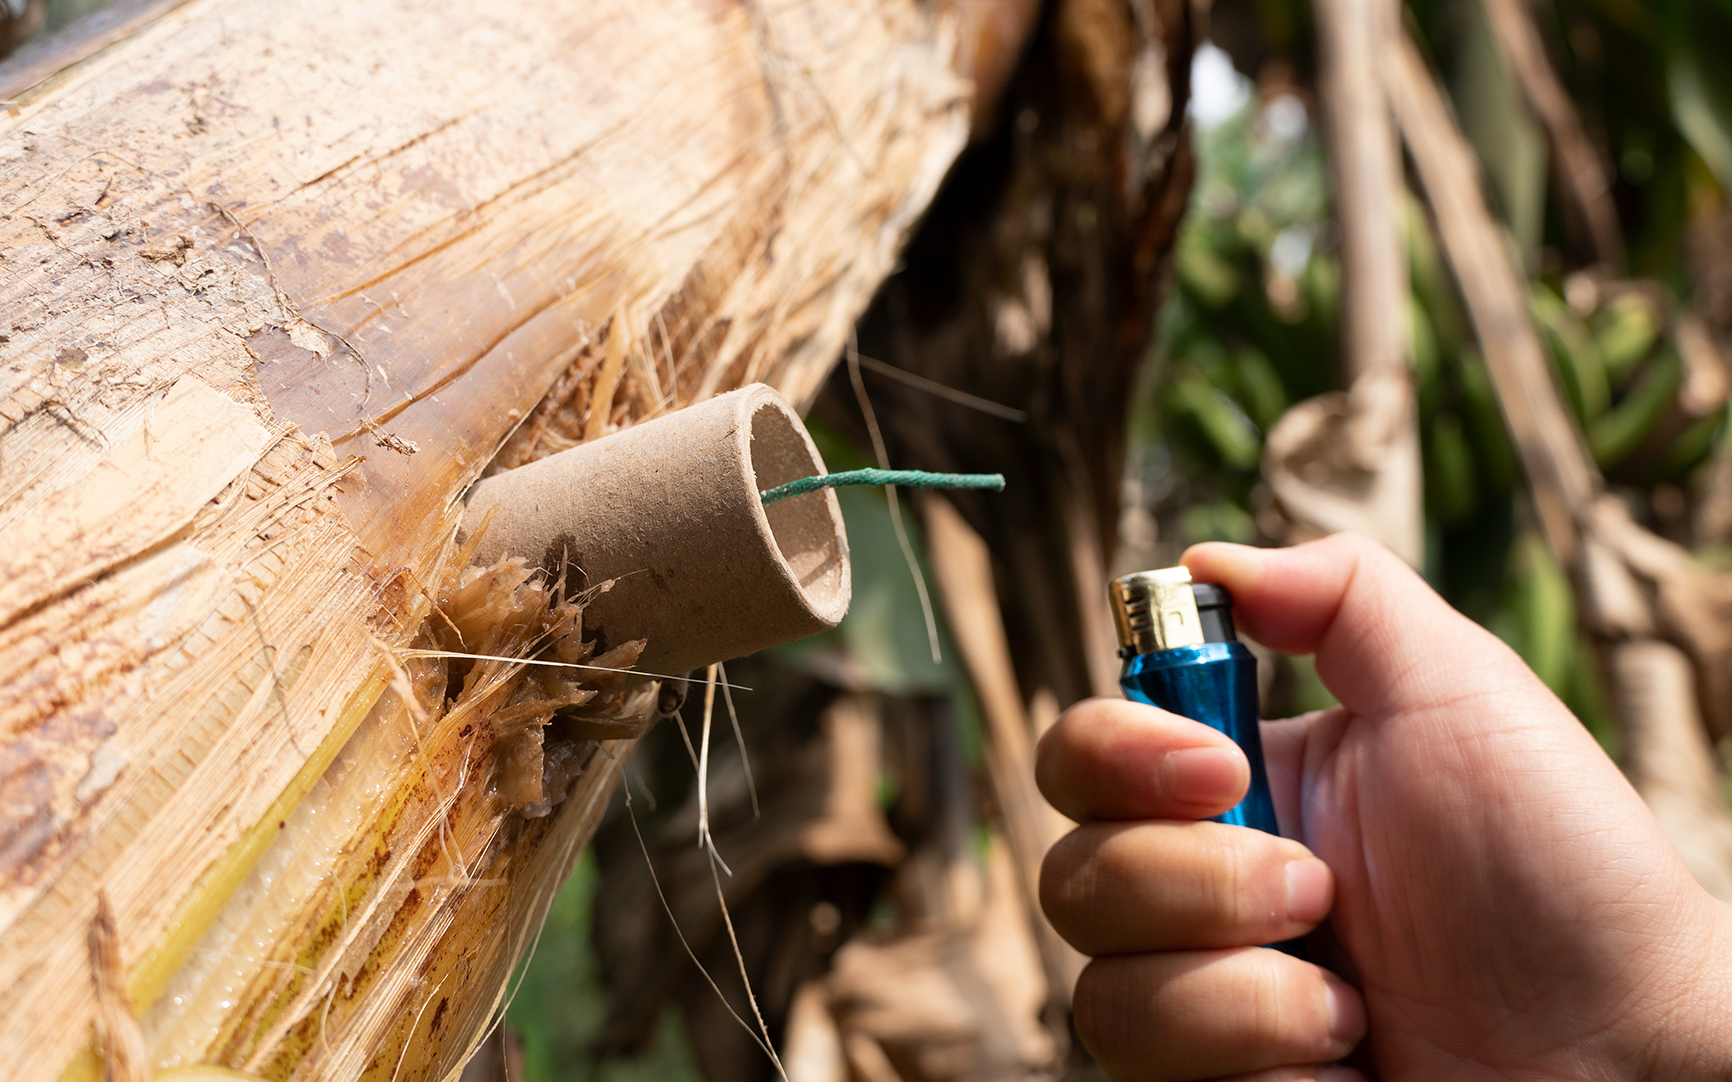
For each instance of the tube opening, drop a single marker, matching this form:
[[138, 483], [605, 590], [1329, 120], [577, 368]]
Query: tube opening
[[807, 529]]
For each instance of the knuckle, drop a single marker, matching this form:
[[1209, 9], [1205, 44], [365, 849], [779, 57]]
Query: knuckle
[[1075, 888], [1064, 875], [1246, 900], [1111, 1015], [1271, 1005], [1285, 1010], [1089, 1002], [1233, 904], [1050, 761]]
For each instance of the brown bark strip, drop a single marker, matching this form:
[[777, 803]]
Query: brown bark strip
[[1351, 461], [119, 1039], [1559, 471], [962, 565], [607, 382], [1669, 758], [1687, 604], [1353, 38], [1582, 174]]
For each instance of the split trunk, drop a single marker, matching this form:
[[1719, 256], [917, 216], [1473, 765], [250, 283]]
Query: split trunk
[[276, 284]]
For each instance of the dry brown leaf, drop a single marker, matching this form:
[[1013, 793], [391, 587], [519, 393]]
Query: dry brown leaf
[[961, 1003], [1669, 758], [1350, 461]]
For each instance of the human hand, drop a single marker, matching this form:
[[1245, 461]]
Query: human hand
[[1501, 898]]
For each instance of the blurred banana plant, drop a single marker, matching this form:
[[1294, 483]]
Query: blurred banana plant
[[1640, 364]]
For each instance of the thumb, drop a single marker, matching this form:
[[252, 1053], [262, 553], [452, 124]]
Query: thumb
[[1384, 640]]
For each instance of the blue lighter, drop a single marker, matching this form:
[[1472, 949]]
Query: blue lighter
[[1182, 654]]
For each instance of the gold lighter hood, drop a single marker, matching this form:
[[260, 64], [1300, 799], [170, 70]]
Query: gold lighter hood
[[1155, 610]]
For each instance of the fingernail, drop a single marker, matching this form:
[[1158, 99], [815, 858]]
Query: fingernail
[[1309, 890], [1209, 776], [1346, 1012]]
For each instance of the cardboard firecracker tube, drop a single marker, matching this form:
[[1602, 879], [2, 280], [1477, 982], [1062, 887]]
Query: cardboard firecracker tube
[[669, 510]]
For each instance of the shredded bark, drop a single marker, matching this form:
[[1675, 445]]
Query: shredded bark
[[119, 1040]]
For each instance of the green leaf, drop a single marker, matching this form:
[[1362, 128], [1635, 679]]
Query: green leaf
[[561, 1003], [1229, 431], [1321, 282], [1309, 691], [1431, 283], [1213, 280], [1449, 474], [1422, 351], [1698, 85], [1209, 359], [1692, 445], [1485, 422], [1264, 397], [1509, 141], [1613, 436], [885, 629], [1544, 608], [1256, 228], [1221, 521], [1625, 331], [1575, 353], [1585, 695]]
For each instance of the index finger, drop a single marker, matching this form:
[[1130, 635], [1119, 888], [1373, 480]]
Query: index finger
[[1117, 759]]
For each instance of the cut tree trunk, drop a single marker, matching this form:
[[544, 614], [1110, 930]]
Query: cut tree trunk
[[276, 284], [1350, 460]]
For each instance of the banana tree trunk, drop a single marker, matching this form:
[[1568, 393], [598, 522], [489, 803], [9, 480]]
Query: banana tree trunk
[[277, 282]]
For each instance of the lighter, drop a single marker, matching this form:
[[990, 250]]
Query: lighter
[[1182, 655]]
